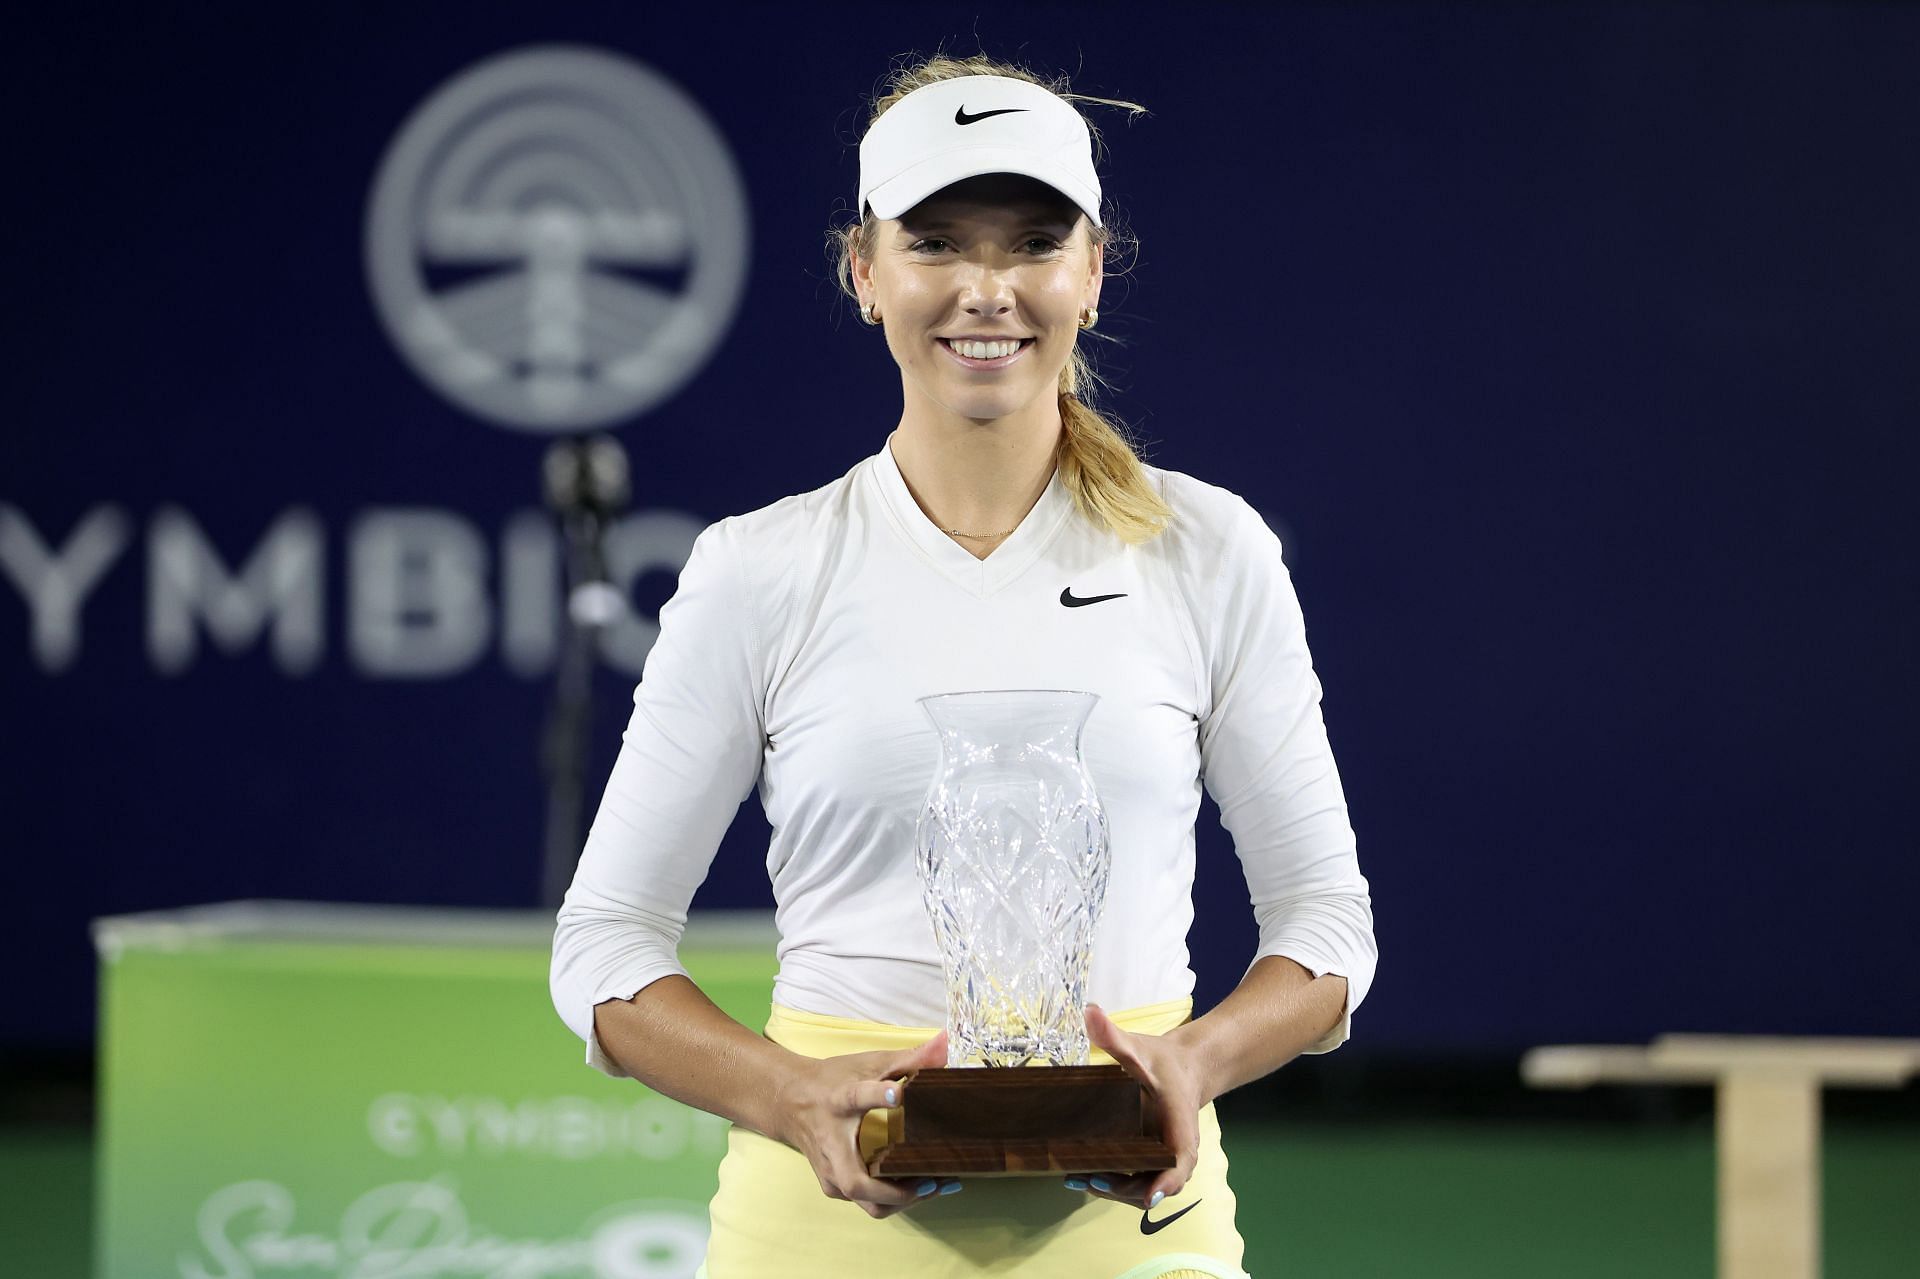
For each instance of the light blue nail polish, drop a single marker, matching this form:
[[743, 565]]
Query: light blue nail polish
[[1158, 1195], [893, 1098], [926, 1188], [1100, 1184], [1076, 1183], [952, 1188]]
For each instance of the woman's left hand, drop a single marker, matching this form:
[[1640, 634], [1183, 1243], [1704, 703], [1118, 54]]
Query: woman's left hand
[[1173, 1082]]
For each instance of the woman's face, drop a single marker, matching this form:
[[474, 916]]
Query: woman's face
[[997, 257]]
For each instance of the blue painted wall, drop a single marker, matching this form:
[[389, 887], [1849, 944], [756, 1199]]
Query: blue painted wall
[[1570, 350]]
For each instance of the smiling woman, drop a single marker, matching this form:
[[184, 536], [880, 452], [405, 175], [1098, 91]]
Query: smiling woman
[[1049, 223], [1004, 535], [982, 287]]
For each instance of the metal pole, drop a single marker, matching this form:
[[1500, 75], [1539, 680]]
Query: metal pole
[[586, 483]]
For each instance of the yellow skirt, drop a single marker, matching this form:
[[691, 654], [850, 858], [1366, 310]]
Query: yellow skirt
[[770, 1219]]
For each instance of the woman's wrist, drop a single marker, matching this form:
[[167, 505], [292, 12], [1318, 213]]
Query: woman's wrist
[[782, 1098], [673, 1039], [1197, 1043], [1272, 1015], [774, 1076]]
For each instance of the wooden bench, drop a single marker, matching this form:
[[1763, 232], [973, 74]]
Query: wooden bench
[[1766, 1124]]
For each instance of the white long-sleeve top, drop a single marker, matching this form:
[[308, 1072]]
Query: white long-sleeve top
[[793, 652]]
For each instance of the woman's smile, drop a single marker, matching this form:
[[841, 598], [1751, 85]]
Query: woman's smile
[[982, 355]]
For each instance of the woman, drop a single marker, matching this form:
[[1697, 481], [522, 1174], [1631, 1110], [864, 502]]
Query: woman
[[1004, 536]]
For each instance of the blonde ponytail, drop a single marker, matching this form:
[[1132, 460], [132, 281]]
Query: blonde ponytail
[[1098, 464], [1100, 469]]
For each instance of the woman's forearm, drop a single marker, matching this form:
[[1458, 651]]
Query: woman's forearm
[[1278, 1009], [676, 1041]]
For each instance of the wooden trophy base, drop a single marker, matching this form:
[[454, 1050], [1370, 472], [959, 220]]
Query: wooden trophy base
[[1021, 1121]]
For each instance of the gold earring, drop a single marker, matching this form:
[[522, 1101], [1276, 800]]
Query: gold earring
[[866, 313], [1089, 318]]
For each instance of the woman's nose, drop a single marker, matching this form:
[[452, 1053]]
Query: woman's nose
[[986, 292]]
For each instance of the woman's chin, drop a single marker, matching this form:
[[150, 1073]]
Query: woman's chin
[[989, 407]]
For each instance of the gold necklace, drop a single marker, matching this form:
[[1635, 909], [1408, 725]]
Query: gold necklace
[[954, 532]]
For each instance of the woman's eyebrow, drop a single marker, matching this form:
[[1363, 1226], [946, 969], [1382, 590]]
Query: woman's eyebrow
[[1049, 220]]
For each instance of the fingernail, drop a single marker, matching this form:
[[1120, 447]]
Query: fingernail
[[1158, 1195], [952, 1188], [1100, 1184], [893, 1097], [1076, 1183], [926, 1188]]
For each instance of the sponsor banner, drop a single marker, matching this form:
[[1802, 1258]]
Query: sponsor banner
[[1567, 377], [353, 1091]]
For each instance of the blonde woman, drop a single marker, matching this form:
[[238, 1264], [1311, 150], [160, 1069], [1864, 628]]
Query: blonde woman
[[1004, 535]]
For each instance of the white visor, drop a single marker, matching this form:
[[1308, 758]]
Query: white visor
[[955, 129]]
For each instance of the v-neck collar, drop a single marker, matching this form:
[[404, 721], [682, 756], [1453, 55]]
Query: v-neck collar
[[981, 576]]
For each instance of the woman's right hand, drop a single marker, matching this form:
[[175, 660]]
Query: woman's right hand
[[823, 1102]]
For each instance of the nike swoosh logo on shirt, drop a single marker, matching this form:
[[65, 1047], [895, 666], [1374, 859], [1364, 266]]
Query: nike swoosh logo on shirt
[[1071, 600], [1148, 1225], [961, 116]]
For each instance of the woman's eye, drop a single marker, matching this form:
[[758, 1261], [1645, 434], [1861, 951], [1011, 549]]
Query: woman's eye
[[1036, 245]]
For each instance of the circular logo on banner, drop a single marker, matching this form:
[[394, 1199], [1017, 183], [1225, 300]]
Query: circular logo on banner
[[557, 239]]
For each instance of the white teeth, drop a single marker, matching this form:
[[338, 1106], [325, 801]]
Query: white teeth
[[984, 350]]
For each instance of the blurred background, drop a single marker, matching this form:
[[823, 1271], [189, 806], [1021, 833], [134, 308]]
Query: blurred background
[[1569, 350]]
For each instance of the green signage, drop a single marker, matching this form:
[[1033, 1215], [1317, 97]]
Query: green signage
[[310, 1089]]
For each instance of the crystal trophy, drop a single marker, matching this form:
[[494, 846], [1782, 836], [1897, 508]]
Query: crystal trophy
[[1011, 847]]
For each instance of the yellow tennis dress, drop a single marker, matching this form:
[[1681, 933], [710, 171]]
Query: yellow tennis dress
[[771, 1220]]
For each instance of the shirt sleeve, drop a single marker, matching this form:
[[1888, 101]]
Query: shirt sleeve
[[689, 757], [1268, 765]]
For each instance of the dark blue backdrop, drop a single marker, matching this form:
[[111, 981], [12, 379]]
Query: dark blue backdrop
[[1571, 351]]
